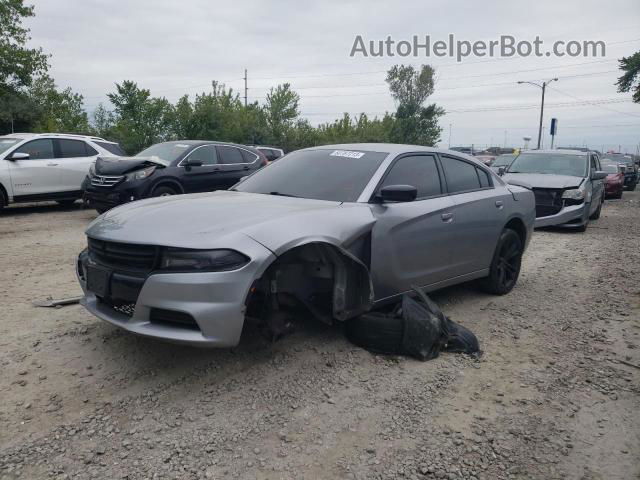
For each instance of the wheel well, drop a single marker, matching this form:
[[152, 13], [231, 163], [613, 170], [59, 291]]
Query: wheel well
[[517, 226], [168, 183], [4, 198], [319, 277]]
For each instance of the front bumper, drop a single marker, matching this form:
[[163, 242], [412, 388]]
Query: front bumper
[[216, 301], [569, 216], [105, 198]]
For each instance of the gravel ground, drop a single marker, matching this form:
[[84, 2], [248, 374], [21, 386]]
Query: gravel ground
[[555, 394]]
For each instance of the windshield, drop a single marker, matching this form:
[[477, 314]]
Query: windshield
[[503, 160], [550, 163], [336, 175], [165, 153], [7, 143]]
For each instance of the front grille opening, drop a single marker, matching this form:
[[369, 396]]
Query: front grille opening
[[548, 201], [126, 256], [173, 318]]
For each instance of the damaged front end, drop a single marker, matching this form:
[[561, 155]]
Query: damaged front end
[[319, 278]]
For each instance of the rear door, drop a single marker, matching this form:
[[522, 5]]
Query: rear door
[[73, 158], [235, 163], [411, 240], [38, 174], [206, 177], [478, 214]]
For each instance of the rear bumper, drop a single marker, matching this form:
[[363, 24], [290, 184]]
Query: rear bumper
[[612, 189], [569, 216]]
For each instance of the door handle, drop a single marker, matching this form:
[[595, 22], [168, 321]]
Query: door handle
[[245, 168], [447, 217], [499, 204], [52, 164]]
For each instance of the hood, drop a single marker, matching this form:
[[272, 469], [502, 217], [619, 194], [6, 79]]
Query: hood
[[122, 165], [542, 180], [214, 220]]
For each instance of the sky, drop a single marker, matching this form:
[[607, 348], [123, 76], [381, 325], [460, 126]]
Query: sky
[[177, 48]]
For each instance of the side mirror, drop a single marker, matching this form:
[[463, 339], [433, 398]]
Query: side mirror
[[599, 175], [18, 156], [398, 193], [501, 171], [193, 163]]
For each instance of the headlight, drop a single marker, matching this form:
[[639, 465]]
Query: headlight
[[178, 259], [139, 174], [573, 194], [92, 170]]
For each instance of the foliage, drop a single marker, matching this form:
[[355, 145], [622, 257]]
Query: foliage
[[630, 80], [281, 111], [57, 111], [415, 124]]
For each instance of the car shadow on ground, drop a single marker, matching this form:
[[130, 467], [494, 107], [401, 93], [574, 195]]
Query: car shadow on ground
[[48, 207]]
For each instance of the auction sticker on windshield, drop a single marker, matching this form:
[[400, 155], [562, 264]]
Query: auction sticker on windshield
[[347, 153]]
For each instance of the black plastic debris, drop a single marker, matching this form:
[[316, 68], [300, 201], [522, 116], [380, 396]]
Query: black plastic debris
[[415, 327]]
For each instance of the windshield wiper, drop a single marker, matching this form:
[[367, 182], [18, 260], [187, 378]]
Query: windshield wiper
[[282, 194]]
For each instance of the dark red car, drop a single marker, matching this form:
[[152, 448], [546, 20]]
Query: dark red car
[[614, 183]]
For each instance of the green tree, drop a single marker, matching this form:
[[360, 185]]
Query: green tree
[[414, 123], [18, 66], [281, 111], [103, 121], [139, 119], [58, 111], [630, 80]]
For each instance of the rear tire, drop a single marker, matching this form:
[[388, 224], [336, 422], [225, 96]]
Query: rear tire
[[505, 266], [631, 188], [163, 191], [3, 199]]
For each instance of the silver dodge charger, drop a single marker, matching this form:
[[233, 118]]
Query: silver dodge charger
[[329, 231]]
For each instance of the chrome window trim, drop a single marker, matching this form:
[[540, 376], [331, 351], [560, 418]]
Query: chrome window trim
[[214, 145]]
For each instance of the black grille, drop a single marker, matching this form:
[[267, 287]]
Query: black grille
[[125, 256], [548, 201]]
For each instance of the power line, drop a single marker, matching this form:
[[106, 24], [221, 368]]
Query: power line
[[597, 105]]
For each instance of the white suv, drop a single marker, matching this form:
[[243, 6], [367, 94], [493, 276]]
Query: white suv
[[48, 166]]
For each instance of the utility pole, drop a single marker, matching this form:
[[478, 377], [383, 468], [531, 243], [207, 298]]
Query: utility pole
[[544, 88], [449, 135], [505, 139], [245, 87]]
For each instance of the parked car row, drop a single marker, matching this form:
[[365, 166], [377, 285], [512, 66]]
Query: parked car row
[[65, 168]]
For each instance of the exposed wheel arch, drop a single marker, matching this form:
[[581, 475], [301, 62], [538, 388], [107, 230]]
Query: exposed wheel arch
[[312, 273]]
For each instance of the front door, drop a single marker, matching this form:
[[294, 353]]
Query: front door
[[38, 174], [411, 241]]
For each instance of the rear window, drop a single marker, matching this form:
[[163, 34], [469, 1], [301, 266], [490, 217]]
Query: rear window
[[112, 148], [335, 175]]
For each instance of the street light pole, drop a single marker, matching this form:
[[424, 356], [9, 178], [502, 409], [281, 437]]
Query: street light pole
[[543, 87]]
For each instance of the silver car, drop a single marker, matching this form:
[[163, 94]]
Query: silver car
[[332, 231], [568, 185]]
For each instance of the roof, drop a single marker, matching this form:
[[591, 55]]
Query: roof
[[64, 135], [204, 142], [563, 151]]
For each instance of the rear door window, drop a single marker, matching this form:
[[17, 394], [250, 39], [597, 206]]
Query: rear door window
[[40, 149], [112, 148], [73, 149], [419, 171], [461, 176], [230, 155], [249, 157]]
